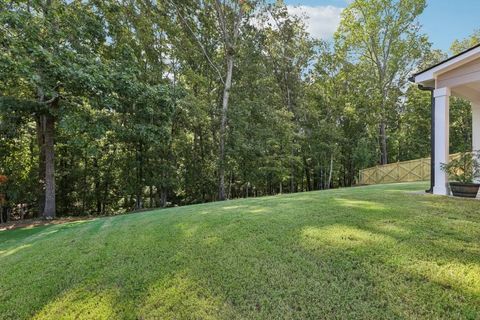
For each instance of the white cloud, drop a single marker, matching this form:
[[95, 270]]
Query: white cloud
[[321, 21]]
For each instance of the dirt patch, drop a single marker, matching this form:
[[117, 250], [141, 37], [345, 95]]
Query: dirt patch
[[30, 223]]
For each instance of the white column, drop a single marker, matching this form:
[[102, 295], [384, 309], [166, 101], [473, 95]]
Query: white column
[[442, 129], [476, 128]]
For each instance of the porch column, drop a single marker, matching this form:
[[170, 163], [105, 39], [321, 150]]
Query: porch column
[[442, 129], [476, 128]]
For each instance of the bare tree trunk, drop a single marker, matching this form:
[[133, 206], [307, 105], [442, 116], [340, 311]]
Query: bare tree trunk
[[383, 143], [107, 179], [85, 184], [139, 187], [223, 125], [230, 183], [292, 182], [320, 179], [156, 196], [98, 199], [46, 143], [383, 131], [307, 174], [163, 197], [41, 164], [22, 211], [150, 203], [49, 132], [330, 173], [230, 34]]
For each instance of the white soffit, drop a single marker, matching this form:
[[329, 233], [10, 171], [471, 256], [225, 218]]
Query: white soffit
[[447, 65]]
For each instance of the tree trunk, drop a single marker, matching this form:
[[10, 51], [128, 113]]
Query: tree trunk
[[84, 190], [41, 164], [223, 125], [139, 187], [151, 203], [98, 199], [45, 140], [322, 179], [49, 132], [22, 211], [330, 173], [230, 184], [107, 178], [163, 197], [383, 143], [307, 174], [290, 108]]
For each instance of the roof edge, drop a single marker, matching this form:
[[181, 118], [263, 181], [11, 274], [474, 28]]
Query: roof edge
[[446, 60]]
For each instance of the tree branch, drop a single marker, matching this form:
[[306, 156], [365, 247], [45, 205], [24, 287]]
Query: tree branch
[[215, 68]]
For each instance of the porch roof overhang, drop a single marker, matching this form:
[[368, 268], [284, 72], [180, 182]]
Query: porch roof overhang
[[459, 76], [460, 73]]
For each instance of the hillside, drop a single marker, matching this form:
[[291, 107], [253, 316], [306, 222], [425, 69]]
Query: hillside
[[369, 252]]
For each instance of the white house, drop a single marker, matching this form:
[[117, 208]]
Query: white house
[[457, 76]]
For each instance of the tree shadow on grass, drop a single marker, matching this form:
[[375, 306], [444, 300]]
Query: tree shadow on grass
[[265, 259]]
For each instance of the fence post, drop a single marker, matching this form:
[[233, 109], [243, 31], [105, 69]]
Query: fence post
[[422, 169], [398, 171]]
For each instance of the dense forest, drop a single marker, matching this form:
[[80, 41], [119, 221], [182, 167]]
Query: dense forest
[[112, 106]]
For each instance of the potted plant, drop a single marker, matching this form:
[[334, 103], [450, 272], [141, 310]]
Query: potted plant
[[465, 171]]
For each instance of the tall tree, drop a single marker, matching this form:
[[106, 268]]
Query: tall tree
[[385, 36], [289, 52], [231, 16], [47, 54]]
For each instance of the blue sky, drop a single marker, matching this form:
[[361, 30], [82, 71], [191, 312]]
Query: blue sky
[[443, 20]]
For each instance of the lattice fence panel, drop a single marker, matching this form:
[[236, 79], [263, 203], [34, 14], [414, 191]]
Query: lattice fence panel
[[406, 171]]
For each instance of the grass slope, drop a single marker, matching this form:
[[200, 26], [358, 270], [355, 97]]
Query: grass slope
[[370, 252]]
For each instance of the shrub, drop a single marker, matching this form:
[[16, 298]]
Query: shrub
[[464, 169]]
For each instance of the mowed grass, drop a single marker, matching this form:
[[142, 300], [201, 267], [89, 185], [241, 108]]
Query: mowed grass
[[361, 253]]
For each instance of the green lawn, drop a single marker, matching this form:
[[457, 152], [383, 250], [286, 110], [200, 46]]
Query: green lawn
[[370, 252]]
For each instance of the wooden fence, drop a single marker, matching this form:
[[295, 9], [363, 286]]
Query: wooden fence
[[406, 171]]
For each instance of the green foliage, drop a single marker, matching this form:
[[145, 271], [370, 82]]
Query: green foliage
[[465, 168], [384, 38], [135, 91], [415, 125], [460, 125], [461, 45]]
